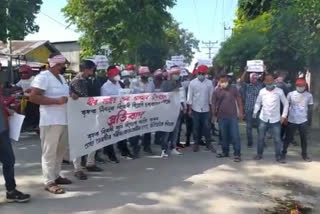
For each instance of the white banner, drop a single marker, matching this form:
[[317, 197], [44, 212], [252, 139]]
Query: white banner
[[97, 122], [255, 66]]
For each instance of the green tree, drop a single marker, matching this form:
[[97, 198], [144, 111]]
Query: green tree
[[20, 21]]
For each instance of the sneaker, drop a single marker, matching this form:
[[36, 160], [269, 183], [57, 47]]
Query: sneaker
[[18, 197], [114, 160], [175, 152], [94, 168], [258, 157], [126, 157], [164, 154], [307, 159], [195, 148], [80, 175], [281, 160]]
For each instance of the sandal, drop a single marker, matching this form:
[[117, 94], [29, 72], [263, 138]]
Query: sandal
[[237, 159], [63, 181], [54, 189], [222, 155]]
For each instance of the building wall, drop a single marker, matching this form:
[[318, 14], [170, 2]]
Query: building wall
[[72, 52], [40, 54]]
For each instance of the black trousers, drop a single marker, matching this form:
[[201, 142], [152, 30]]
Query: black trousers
[[290, 132], [8, 160], [146, 142], [32, 114], [123, 148]]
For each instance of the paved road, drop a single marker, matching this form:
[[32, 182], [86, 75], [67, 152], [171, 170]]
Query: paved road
[[193, 183]]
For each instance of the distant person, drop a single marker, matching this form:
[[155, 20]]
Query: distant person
[[300, 109]]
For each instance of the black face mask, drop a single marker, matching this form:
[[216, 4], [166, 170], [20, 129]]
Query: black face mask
[[63, 70]]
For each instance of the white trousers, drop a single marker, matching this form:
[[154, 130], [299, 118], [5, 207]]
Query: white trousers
[[90, 162], [54, 142]]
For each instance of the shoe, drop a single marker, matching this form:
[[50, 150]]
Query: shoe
[[211, 149], [281, 160], [164, 154], [114, 160], [222, 155], [126, 157], [148, 151], [18, 197], [175, 152], [94, 168], [195, 148], [202, 143], [80, 175], [65, 162], [237, 159], [258, 157], [307, 159], [63, 181]]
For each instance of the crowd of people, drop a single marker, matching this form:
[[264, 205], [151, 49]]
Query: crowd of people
[[262, 101]]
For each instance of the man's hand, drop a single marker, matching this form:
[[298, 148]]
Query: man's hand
[[11, 112], [74, 96], [283, 120], [241, 116], [61, 100], [213, 119]]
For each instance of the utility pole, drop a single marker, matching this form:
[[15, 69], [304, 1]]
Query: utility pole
[[9, 45], [210, 46], [225, 28]]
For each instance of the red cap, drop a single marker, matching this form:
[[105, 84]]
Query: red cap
[[113, 72], [301, 82], [203, 69], [130, 67], [195, 72], [25, 68]]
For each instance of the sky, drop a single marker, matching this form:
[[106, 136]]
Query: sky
[[204, 18]]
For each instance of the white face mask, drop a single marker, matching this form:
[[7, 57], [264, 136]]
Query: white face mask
[[224, 85], [117, 78], [301, 89], [175, 77]]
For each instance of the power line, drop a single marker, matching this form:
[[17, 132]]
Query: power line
[[58, 22]]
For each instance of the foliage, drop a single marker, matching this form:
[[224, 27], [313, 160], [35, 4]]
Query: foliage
[[20, 21], [134, 30]]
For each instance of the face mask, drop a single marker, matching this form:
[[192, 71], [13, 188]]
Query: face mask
[[201, 77], [63, 70], [224, 85], [301, 89], [144, 78], [175, 77], [270, 87], [117, 78]]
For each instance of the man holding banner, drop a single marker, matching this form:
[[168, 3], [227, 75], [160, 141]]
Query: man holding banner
[[79, 88], [51, 91]]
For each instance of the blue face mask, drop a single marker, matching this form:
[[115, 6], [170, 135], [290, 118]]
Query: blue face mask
[[270, 86]]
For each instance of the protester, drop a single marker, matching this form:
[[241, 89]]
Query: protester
[[170, 85], [227, 108], [142, 86], [268, 102], [29, 109], [199, 101], [250, 92], [300, 107], [7, 157], [50, 90], [110, 88], [79, 88]]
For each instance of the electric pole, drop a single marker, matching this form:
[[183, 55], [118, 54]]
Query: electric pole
[[225, 28], [210, 46], [9, 44]]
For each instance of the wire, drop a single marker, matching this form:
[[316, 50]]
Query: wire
[[58, 22]]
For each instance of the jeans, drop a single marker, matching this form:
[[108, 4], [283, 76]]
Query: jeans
[[201, 125], [171, 136], [275, 130], [8, 160], [303, 131], [230, 134], [250, 125]]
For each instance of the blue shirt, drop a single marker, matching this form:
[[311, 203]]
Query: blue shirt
[[250, 94]]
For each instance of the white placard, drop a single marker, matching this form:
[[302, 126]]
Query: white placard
[[178, 58], [101, 61], [255, 66], [15, 125], [94, 123], [254, 62]]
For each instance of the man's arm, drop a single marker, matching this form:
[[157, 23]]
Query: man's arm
[[37, 97], [285, 104], [189, 99], [240, 106], [258, 104], [310, 110]]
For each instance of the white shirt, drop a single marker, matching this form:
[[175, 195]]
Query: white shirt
[[53, 88], [110, 89], [139, 87], [25, 84], [270, 102], [200, 95], [298, 106]]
